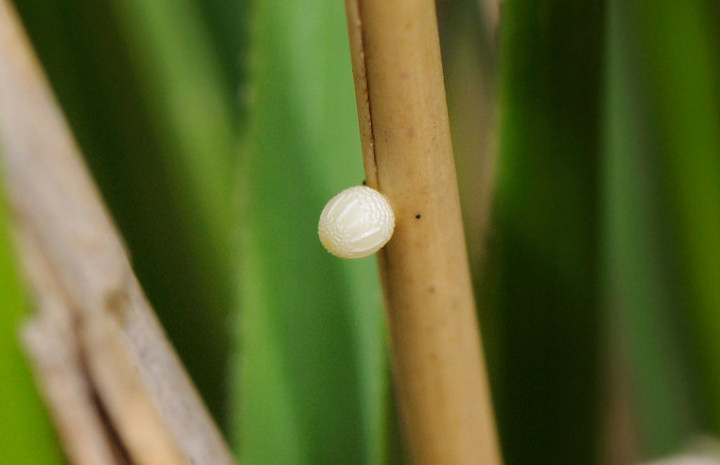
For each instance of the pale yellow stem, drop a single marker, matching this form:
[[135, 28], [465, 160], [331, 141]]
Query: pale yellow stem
[[437, 360]]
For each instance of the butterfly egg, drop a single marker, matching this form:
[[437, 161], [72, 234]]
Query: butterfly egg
[[356, 223]]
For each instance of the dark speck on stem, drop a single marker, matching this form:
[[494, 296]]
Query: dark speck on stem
[[418, 216]]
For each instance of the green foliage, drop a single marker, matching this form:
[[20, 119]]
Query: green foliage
[[681, 54], [313, 376], [547, 213], [646, 296], [218, 129]]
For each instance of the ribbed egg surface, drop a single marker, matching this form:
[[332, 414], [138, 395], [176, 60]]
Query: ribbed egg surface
[[356, 223]]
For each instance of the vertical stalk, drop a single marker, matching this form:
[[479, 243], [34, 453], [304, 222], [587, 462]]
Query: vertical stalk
[[439, 371]]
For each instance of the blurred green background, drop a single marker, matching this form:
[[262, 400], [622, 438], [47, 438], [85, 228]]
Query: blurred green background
[[587, 139]]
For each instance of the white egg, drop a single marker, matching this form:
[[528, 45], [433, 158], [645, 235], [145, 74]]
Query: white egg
[[356, 223]]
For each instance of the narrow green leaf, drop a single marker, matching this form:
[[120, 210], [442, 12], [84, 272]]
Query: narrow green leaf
[[682, 58], [312, 381], [227, 26], [193, 116], [645, 297], [547, 219]]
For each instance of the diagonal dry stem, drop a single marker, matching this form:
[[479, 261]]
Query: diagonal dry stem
[[114, 385], [437, 361]]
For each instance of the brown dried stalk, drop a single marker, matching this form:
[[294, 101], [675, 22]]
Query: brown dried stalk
[[114, 385], [437, 360]]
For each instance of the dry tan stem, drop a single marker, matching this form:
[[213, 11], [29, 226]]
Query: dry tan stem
[[437, 362], [117, 391]]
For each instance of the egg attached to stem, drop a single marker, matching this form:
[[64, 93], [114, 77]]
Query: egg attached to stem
[[356, 223]]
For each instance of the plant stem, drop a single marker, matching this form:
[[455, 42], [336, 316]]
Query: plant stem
[[110, 377], [439, 371]]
